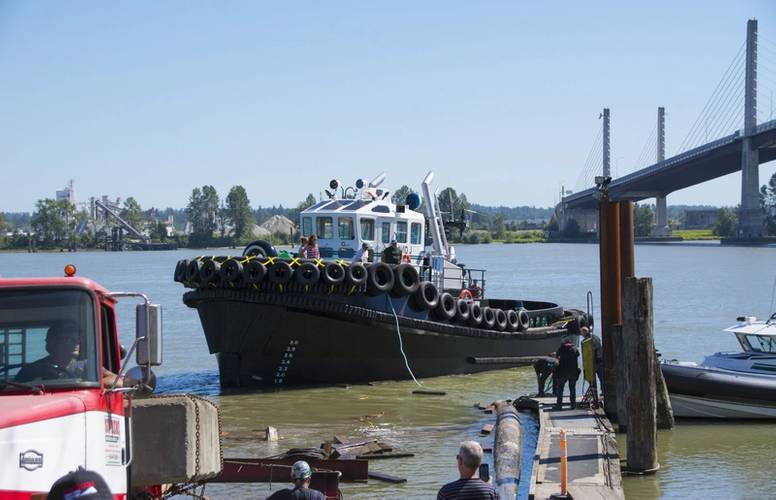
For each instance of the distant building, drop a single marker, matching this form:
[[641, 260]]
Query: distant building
[[700, 218], [68, 193]]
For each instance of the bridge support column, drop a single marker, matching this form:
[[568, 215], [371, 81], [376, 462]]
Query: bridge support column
[[751, 217], [661, 227]]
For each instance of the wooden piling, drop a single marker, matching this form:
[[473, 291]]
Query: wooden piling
[[507, 450], [611, 311], [620, 382], [639, 364], [665, 413]]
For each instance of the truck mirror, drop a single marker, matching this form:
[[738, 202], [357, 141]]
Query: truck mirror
[[122, 351], [149, 325]]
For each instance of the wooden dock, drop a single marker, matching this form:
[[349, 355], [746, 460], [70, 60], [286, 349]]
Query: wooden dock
[[593, 460]]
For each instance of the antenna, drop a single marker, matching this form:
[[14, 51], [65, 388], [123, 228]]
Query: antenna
[[377, 180]]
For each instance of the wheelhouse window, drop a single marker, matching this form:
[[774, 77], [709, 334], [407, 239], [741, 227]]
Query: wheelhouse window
[[307, 226], [415, 233], [385, 229], [761, 343], [401, 231], [47, 337], [367, 229], [325, 228], [345, 228]]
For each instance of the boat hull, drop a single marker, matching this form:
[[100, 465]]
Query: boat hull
[[276, 340], [703, 392]]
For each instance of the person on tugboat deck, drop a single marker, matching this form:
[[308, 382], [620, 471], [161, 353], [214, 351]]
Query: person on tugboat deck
[[392, 254], [302, 254], [312, 248], [475, 290], [362, 254]]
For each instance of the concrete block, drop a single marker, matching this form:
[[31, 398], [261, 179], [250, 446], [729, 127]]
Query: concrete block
[[168, 434]]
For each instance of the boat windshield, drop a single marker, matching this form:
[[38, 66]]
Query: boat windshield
[[758, 343], [47, 337]]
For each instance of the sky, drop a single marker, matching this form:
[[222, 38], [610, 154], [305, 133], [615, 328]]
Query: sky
[[500, 99]]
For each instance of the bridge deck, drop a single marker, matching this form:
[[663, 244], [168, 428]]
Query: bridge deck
[[593, 460]]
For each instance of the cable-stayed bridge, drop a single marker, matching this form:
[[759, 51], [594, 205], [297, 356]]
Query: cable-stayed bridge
[[729, 135]]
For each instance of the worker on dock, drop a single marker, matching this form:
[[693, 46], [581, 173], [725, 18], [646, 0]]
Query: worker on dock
[[302, 254], [362, 254], [567, 371], [468, 487], [81, 483], [392, 253], [301, 474], [475, 290], [313, 252], [544, 367]]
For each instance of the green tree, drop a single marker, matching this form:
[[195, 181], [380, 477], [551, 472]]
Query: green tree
[[399, 196], [202, 211], [452, 204], [159, 232], [133, 214], [499, 227], [53, 220], [572, 228], [238, 212], [768, 204], [643, 220], [726, 223]]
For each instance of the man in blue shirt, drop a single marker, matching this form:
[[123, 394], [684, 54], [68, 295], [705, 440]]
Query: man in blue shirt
[[468, 487]]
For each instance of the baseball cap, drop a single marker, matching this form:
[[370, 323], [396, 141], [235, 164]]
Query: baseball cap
[[301, 470], [78, 484]]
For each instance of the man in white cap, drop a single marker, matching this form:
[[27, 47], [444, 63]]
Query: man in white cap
[[301, 474]]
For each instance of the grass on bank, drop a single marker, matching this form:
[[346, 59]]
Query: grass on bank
[[695, 234]]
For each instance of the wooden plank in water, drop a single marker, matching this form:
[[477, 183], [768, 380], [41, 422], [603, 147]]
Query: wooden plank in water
[[256, 470], [339, 439], [380, 456], [429, 392], [387, 477], [486, 429]]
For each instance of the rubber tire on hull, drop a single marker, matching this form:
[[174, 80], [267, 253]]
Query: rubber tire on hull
[[475, 314], [192, 271], [405, 280], [380, 278], [501, 320], [488, 318], [426, 297], [254, 272], [333, 273], [209, 272], [356, 274], [260, 248], [180, 271], [513, 321], [462, 311], [231, 271], [445, 309], [524, 320], [307, 274], [280, 272]]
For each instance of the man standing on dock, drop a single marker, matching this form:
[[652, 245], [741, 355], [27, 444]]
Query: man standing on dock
[[468, 487], [568, 371], [598, 354]]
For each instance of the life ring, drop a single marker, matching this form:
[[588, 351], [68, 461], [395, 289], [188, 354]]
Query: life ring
[[406, 259], [466, 295]]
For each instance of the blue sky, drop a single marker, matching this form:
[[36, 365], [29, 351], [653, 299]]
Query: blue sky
[[500, 99]]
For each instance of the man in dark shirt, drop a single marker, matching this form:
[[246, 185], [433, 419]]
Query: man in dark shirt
[[567, 371], [544, 367], [468, 487], [392, 254], [301, 473]]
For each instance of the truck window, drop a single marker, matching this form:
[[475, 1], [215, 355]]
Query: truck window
[[415, 233], [107, 322], [325, 229], [368, 229], [345, 228], [307, 226], [386, 230], [401, 231], [48, 336]]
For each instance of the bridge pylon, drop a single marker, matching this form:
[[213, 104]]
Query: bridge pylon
[[751, 218], [661, 229]]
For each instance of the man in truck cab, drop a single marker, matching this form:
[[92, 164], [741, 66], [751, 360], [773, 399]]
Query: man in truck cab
[[64, 347]]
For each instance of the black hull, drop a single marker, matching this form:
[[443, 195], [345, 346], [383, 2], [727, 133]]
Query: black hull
[[719, 385], [271, 339]]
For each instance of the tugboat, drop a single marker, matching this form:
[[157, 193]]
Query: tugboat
[[276, 320], [734, 385]]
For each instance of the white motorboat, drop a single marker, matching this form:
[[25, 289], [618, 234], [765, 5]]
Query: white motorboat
[[729, 384]]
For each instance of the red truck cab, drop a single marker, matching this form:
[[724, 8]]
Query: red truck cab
[[61, 405]]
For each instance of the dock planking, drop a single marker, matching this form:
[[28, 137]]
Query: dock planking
[[593, 460]]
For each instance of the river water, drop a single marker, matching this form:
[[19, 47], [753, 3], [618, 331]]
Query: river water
[[698, 291]]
